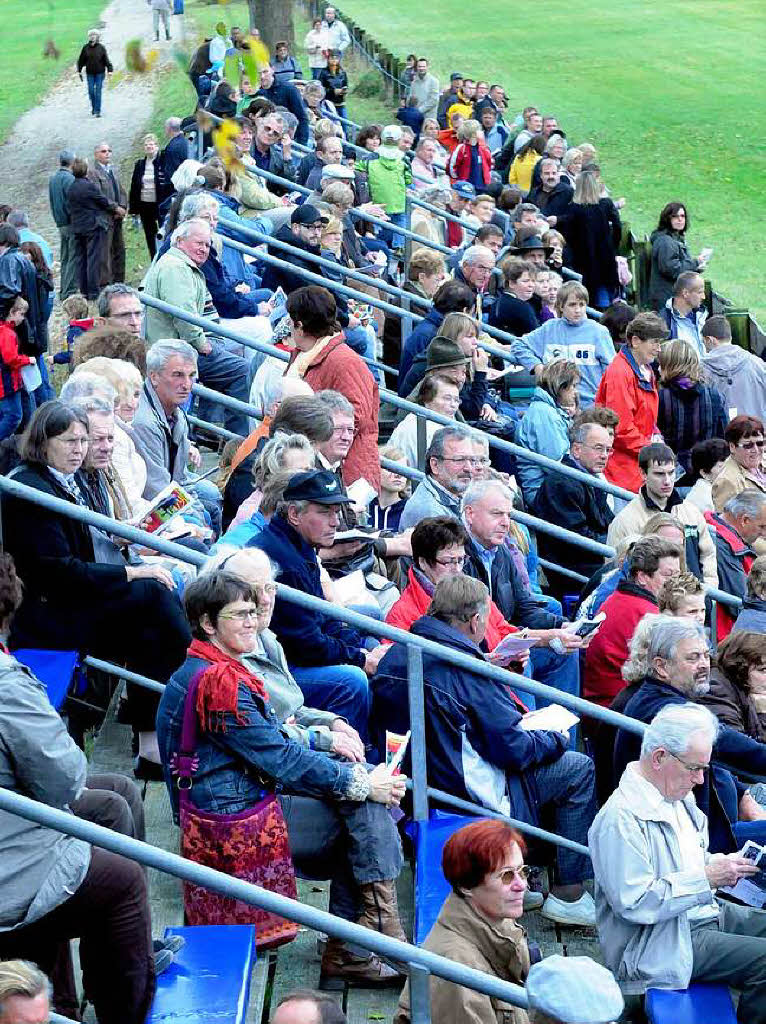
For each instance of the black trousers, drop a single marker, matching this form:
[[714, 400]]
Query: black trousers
[[148, 212], [90, 254], [109, 913]]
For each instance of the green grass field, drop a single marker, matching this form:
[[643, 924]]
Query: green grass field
[[668, 93], [25, 74]]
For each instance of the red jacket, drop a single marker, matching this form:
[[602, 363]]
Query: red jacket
[[339, 368], [608, 649], [10, 361], [414, 602], [635, 401], [459, 166]]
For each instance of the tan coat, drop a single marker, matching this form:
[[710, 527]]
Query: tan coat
[[730, 481], [631, 520], [500, 950]]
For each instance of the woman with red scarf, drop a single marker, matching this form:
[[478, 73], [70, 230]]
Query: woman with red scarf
[[336, 810]]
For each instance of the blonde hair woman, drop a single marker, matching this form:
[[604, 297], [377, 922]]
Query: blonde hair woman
[[149, 187], [689, 409]]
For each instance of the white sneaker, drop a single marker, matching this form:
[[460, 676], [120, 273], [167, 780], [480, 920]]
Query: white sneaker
[[581, 913], [532, 900]]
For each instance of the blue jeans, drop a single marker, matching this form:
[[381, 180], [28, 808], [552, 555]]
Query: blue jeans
[[568, 787], [10, 414], [342, 689], [95, 84], [391, 237], [362, 341], [211, 499], [562, 671], [45, 392], [229, 374]]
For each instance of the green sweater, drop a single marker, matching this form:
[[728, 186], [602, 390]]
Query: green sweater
[[174, 278]]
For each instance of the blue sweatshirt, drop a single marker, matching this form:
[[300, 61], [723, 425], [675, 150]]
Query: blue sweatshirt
[[587, 344]]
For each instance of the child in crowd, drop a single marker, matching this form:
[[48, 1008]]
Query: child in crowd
[[547, 284], [388, 178], [571, 336], [11, 363], [76, 309]]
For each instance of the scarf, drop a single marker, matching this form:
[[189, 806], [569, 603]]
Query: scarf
[[217, 689], [300, 366]]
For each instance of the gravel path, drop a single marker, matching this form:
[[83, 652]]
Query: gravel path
[[63, 120]]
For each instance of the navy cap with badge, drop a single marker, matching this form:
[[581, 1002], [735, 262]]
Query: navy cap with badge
[[308, 214], [317, 485]]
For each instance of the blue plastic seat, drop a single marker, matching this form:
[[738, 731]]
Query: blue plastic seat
[[700, 1003], [431, 887], [55, 669], [209, 983]]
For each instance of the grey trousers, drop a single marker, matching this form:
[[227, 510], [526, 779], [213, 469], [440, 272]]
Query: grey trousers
[[733, 950], [68, 261], [350, 843], [568, 787]]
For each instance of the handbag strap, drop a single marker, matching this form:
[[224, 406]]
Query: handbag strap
[[185, 761]]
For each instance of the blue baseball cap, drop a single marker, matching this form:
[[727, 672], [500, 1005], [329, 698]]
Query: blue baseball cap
[[464, 189]]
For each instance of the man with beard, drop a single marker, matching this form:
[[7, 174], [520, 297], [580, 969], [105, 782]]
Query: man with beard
[[450, 468]]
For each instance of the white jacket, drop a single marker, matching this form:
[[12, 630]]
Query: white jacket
[[643, 891]]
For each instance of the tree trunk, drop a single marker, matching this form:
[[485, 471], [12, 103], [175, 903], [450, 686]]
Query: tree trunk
[[275, 22]]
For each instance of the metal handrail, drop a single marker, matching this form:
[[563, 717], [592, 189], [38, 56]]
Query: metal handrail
[[315, 604], [254, 895]]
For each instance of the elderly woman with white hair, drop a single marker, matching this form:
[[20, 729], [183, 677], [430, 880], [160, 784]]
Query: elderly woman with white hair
[[660, 923], [94, 61]]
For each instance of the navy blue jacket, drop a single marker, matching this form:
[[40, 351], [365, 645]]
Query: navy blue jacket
[[174, 154], [516, 603], [274, 277], [719, 794], [418, 342], [460, 706], [240, 762], [309, 638], [229, 304], [283, 95]]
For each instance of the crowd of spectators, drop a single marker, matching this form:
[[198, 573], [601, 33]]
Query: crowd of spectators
[[419, 517]]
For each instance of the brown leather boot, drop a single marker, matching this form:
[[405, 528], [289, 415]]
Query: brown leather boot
[[340, 966], [380, 909]]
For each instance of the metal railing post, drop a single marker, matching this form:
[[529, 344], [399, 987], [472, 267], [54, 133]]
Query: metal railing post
[[420, 995], [407, 240], [417, 732]]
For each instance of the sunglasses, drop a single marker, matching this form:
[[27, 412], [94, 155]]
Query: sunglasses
[[749, 445], [510, 874]]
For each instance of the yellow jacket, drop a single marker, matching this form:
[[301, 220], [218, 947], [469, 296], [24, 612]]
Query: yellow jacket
[[521, 170]]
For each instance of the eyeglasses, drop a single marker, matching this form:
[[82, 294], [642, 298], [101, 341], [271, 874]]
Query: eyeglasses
[[691, 768], [461, 458], [451, 563], [241, 615], [511, 874], [272, 131], [267, 588], [749, 445]]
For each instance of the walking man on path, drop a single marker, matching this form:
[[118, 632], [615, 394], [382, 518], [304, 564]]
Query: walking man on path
[[94, 60]]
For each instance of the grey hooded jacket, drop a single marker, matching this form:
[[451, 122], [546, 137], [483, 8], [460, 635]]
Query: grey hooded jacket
[[740, 378], [39, 867]]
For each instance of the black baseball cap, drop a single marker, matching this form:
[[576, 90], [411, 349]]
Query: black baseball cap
[[317, 485], [308, 214]]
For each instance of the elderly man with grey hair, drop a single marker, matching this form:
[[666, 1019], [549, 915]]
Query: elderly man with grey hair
[[177, 147], [19, 219], [119, 305], [177, 278], [476, 271], [59, 184], [659, 922], [450, 468], [739, 532], [678, 663]]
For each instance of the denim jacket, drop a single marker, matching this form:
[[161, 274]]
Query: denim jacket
[[238, 765]]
